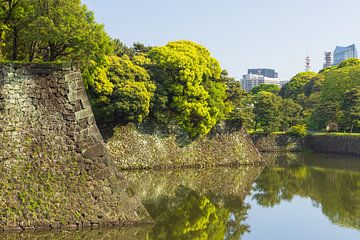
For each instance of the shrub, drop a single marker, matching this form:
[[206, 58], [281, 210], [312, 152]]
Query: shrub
[[298, 130]]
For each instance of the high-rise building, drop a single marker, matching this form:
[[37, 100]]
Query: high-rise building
[[249, 81], [266, 72], [343, 53], [328, 59]]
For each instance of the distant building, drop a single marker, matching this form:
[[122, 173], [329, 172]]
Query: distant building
[[266, 72], [249, 81], [343, 53], [328, 60]]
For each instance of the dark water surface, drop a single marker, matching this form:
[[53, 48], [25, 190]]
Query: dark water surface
[[303, 196]]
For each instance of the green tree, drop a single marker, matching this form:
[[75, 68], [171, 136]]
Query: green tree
[[351, 108], [188, 86], [187, 216], [51, 30], [275, 89], [295, 89], [8, 9], [351, 62], [267, 111], [240, 103], [121, 90], [339, 81], [290, 113], [325, 116]]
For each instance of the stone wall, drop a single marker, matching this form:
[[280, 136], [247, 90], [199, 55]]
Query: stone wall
[[277, 142], [55, 170], [333, 144], [349, 145], [135, 148]]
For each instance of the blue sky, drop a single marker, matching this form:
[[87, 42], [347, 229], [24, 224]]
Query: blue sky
[[241, 34]]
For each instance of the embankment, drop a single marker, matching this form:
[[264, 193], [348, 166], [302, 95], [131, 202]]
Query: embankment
[[55, 171], [328, 143], [343, 144], [134, 148]]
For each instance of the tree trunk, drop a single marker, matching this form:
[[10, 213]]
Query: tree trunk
[[33, 50], [52, 52], [15, 44]]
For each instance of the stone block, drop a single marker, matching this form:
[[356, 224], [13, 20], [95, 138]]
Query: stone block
[[95, 151], [101, 175], [85, 113], [81, 95]]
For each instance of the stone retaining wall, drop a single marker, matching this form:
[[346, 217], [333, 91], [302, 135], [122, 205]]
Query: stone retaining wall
[[134, 148], [277, 142], [333, 144], [349, 145], [55, 171]]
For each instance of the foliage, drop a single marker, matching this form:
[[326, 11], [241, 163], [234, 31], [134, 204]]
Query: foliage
[[290, 112], [339, 81], [324, 115], [298, 130], [351, 109], [328, 186], [241, 114], [188, 216], [331, 111], [188, 86], [121, 90], [50, 30], [267, 111], [351, 62], [295, 88], [275, 89]]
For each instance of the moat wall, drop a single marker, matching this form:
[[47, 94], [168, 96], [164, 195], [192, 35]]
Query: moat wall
[[334, 144], [349, 145], [137, 148], [55, 171]]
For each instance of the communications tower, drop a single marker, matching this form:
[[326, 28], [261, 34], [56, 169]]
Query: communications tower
[[307, 63]]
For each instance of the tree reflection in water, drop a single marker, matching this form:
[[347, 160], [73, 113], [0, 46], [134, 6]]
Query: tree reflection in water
[[196, 203], [332, 184], [189, 215]]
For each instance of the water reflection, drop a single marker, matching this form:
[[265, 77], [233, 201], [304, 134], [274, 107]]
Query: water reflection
[[332, 183], [196, 204], [210, 203]]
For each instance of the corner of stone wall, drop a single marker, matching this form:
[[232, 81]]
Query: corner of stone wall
[[48, 105]]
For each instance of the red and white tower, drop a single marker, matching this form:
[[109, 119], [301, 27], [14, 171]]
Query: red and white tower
[[307, 63]]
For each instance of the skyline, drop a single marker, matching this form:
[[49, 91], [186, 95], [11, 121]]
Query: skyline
[[273, 34]]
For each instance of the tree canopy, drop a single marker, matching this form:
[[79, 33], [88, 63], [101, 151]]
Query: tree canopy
[[188, 86], [275, 89]]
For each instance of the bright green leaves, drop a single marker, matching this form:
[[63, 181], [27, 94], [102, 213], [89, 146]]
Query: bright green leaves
[[51, 30], [189, 80], [122, 90], [351, 109], [275, 89], [296, 87], [267, 111]]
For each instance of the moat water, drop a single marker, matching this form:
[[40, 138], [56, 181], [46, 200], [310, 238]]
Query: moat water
[[302, 196]]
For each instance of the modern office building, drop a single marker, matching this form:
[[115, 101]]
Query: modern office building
[[328, 60], [266, 72], [343, 53], [249, 81]]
